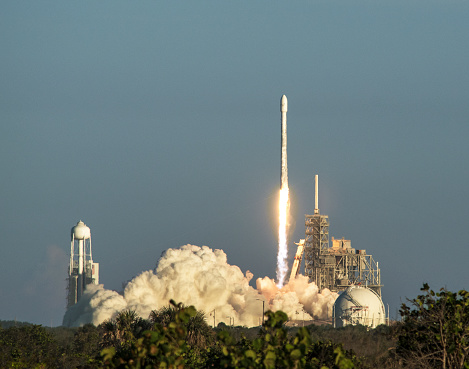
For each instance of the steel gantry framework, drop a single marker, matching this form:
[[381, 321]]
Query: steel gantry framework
[[316, 242], [337, 267]]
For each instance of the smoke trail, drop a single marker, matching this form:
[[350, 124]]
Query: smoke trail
[[283, 211], [202, 277]]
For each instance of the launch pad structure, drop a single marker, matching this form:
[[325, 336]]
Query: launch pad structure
[[335, 268]]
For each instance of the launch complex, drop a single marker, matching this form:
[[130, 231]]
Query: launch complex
[[335, 268]]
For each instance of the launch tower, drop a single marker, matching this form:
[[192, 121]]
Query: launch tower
[[337, 267], [82, 271]]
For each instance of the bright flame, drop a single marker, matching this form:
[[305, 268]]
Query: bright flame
[[283, 210]]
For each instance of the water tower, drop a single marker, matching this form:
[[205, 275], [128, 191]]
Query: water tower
[[82, 271]]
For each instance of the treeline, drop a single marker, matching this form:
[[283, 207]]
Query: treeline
[[12, 323], [433, 333]]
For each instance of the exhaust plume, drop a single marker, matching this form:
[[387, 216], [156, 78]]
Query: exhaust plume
[[201, 277], [282, 255], [283, 203]]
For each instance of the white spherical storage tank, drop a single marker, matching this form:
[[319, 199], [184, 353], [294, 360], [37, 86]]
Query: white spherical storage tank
[[359, 305]]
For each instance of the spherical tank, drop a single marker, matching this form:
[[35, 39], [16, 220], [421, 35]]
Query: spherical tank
[[359, 305], [81, 231]]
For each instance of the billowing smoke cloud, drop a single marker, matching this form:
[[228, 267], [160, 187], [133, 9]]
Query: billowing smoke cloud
[[202, 277]]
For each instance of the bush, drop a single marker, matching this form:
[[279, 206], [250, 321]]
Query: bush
[[434, 332]]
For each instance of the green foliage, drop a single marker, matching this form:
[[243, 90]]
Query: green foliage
[[84, 349], [86, 340], [274, 348], [163, 347], [435, 330], [180, 338], [199, 333], [124, 330], [28, 346], [332, 355], [167, 347]]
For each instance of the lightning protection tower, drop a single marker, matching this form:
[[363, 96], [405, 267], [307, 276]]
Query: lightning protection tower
[[82, 271]]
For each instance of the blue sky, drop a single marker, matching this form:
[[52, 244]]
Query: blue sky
[[158, 124]]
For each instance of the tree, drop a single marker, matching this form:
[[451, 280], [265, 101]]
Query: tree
[[198, 332], [275, 349], [434, 332], [162, 347], [167, 347], [85, 348], [272, 349], [29, 346], [123, 330]]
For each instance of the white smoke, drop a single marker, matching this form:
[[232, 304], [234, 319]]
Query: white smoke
[[95, 306], [202, 277]]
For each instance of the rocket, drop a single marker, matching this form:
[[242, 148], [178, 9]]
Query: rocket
[[284, 165]]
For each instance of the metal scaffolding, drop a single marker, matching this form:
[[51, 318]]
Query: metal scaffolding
[[337, 267], [316, 242]]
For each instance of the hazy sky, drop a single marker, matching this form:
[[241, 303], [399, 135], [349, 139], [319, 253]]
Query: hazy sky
[[157, 123]]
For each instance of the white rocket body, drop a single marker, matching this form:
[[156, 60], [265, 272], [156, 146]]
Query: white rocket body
[[284, 165]]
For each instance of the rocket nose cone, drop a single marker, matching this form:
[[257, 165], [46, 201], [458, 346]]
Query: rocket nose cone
[[284, 103]]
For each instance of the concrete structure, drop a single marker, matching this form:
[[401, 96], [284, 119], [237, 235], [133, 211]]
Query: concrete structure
[[359, 305], [337, 267], [82, 270]]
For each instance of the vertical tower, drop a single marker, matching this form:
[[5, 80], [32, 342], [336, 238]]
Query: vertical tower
[[337, 267], [82, 271], [316, 242]]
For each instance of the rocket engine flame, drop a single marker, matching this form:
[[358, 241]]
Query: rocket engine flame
[[283, 211]]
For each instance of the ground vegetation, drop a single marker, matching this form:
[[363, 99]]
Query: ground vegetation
[[433, 333]]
